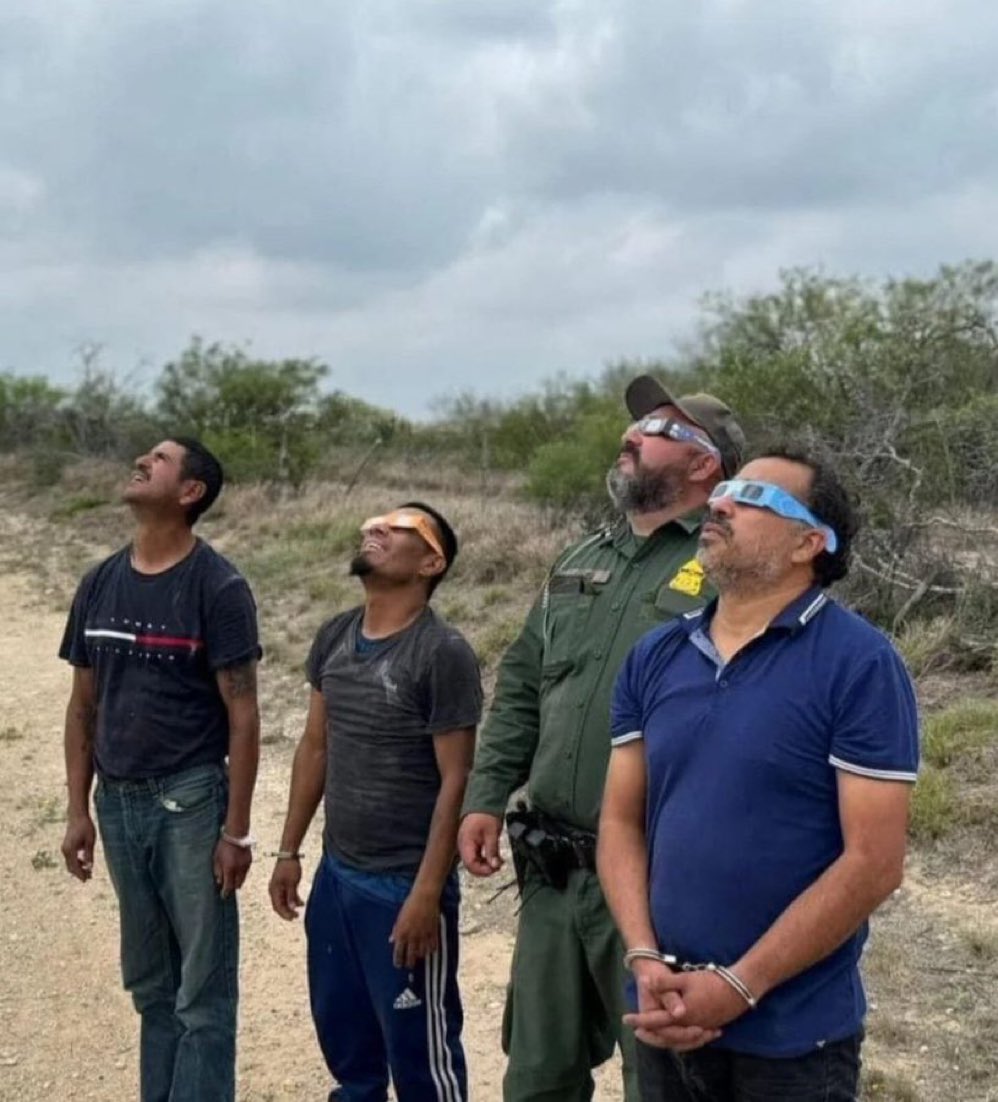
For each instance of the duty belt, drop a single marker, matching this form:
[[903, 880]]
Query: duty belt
[[550, 848]]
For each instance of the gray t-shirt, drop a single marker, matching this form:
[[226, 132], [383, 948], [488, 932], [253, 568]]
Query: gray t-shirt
[[383, 708]]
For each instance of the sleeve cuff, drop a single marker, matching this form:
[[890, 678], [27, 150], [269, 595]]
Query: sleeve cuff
[[485, 803], [905, 775], [623, 740], [254, 655]]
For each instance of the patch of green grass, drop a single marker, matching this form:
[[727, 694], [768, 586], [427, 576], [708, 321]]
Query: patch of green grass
[[456, 610], [495, 595], [300, 553], [82, 503], [327, 589], [51, 810], [333, 535], [492, 643], [934, 808], [959, 731], [43, 859], [925, 644], [10, 734]]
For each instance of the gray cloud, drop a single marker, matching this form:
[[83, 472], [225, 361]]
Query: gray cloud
[[435, 195]]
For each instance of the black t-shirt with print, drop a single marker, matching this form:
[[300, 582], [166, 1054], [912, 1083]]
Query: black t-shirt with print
[[384, 704], [155, 643]]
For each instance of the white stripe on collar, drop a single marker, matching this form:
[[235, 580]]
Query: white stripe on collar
[[813, 609]]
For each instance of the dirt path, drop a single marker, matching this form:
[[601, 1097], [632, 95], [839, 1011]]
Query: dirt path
[[67, 1030]]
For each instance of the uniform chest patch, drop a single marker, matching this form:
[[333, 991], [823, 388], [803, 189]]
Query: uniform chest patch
[[689, 579]]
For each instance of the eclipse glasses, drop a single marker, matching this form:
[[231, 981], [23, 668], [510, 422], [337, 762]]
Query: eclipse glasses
[[765, 495], [674, 430], [409, 519]]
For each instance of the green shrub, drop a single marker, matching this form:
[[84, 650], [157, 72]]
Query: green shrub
[[82, 503], [572, 472], [934, 810], [959, 731]]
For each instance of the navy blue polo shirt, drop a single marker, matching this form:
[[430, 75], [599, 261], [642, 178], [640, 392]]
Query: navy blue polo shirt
[[742, 804]]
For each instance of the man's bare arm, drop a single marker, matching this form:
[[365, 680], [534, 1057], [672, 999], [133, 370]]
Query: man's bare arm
[[622, 852], [622, 863], [308, 779], [455, 752], [237, 684], [78, 741], [874, 817], [308, 775], [416, 932]]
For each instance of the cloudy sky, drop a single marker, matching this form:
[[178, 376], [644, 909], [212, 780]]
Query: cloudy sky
[[443, 195]]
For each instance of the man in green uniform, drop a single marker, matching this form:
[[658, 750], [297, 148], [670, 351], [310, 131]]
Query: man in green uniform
[[549, 727]]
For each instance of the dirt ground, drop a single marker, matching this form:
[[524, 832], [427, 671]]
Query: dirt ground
[[67, 1030]]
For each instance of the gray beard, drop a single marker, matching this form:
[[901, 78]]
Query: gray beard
[[741, 578], [643, 491]]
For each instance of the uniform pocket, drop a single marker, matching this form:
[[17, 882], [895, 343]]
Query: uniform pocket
[[565, 620], [668, 602]]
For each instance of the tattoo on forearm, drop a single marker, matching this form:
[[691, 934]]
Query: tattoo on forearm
[[240, 680]]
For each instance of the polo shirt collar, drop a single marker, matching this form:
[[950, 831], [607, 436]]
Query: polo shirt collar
[[799, 613], [794, 618]]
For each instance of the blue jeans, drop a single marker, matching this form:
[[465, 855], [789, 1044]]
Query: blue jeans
[[828, 1074], [179, 938]]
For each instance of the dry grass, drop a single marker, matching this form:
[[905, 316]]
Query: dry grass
[[295, 551]]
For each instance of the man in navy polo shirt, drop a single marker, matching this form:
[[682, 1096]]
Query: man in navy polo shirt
[[756, 804]]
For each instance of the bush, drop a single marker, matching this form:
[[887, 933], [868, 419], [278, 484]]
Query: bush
[[571, 472]]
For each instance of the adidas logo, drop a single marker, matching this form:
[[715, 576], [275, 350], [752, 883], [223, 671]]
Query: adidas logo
[[407, 1000]]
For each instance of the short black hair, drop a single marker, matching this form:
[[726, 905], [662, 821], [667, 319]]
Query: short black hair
[[202, 466], [832, 503], [447, 536]]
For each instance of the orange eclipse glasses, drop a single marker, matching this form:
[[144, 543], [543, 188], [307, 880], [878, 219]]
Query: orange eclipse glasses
[[408, 519]]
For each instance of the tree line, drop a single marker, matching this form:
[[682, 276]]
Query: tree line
[[897, 380]]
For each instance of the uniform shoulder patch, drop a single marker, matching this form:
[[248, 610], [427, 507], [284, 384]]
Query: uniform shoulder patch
[[689, 579]]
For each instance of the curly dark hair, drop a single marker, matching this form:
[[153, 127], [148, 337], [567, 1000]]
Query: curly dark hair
[[830, 501]]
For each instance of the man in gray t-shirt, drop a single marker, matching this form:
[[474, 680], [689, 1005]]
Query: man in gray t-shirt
[[389, 739]]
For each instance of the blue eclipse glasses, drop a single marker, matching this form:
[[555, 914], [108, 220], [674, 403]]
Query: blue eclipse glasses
[[674, 430], [764, 495]]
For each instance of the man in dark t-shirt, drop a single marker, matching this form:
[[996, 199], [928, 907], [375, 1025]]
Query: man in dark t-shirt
[[162, 638], [389, 739]]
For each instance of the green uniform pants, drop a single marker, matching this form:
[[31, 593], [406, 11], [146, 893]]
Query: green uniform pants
[[566, 995]]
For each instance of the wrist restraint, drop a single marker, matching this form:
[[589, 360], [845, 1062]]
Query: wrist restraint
[[676, 965]]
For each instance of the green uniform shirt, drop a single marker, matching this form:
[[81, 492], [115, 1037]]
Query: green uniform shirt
[[550, 721]]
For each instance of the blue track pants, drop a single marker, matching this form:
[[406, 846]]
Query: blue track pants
[[371, 1017]]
